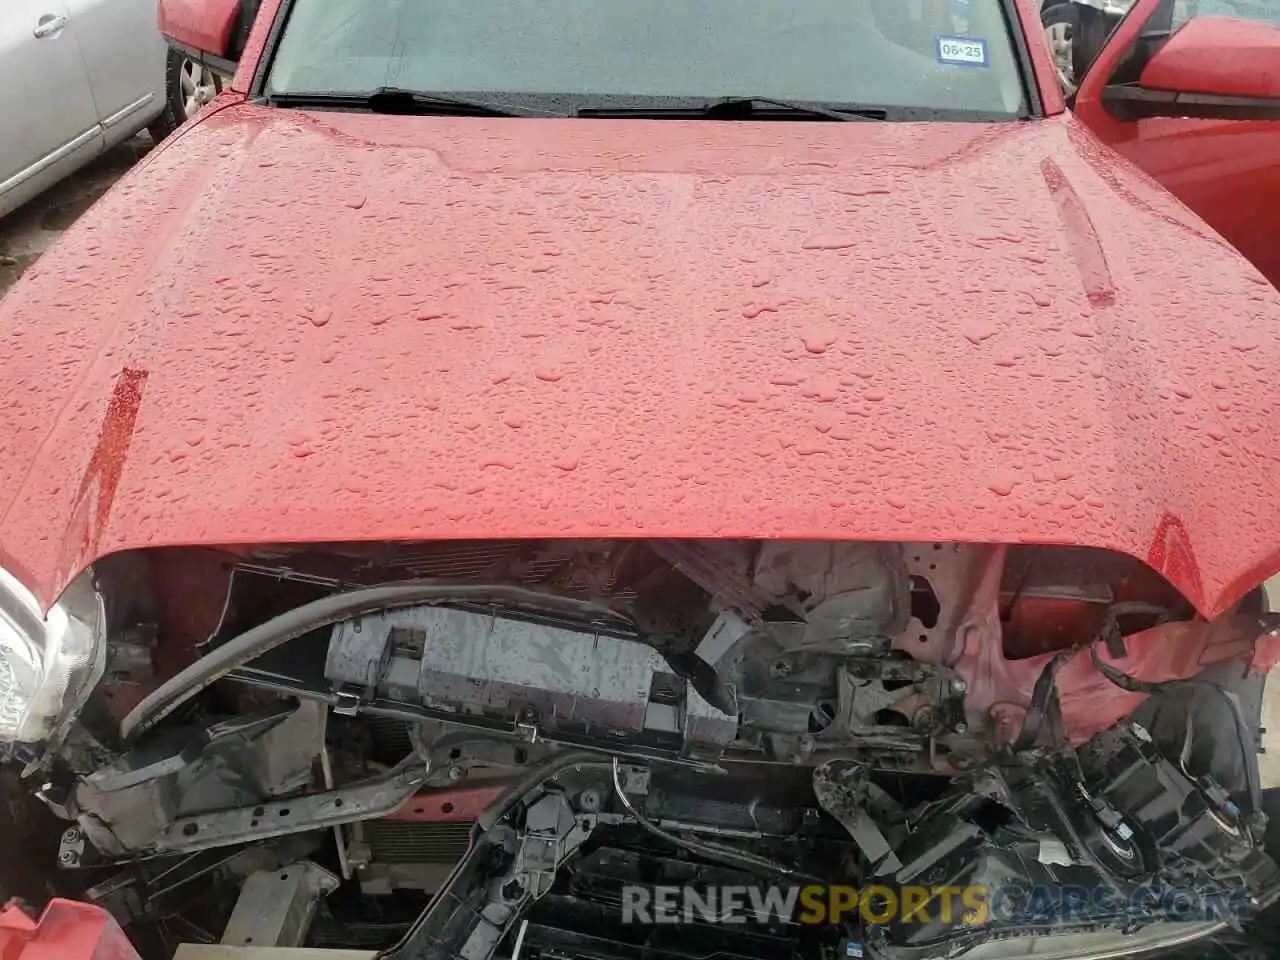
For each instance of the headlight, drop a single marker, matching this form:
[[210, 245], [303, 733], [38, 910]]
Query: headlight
[[48, 664]]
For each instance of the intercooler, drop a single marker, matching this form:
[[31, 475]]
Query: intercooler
[[391, 855], [394, 841]]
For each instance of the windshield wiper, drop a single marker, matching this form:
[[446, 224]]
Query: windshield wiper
[[729, 106], [396, 100], [737, 108]]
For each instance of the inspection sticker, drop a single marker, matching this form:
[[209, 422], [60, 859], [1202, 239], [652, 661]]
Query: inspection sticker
[[966, 51]]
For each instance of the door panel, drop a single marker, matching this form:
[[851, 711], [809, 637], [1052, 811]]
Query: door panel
[[125, 57], [1227, 171], [45, 102]]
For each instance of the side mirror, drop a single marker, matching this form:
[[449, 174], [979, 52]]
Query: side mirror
[[1211, 68], [201, 29]]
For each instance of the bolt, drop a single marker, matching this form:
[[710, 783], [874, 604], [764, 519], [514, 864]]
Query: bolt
[[455, 773], [959, 686], [961, 727], [67, 858]]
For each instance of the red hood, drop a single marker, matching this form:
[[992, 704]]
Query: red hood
[[288, 327]]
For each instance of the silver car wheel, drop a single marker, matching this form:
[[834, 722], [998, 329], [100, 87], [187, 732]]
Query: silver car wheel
[[198, 87], [1061, 39]]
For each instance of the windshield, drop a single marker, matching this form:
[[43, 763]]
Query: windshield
[[950, 56], [1264, 11]]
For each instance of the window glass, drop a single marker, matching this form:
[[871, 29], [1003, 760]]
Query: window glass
[[948, 55], [1265, 11]]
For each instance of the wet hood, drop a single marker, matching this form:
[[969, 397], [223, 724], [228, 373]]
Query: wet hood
[[289, 327]]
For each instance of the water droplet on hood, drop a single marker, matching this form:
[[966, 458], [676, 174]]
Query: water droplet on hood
[[828, 243], [1002, 486], [819, 341]]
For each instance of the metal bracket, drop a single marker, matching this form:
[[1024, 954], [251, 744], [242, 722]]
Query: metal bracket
[[70, 848], [346, 703], [552, 833], [276, 907], [361, 801], [836, 784]]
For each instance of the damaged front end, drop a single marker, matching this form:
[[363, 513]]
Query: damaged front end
[[481, 749]]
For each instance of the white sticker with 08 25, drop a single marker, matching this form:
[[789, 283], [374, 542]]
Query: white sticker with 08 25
[[967, 51]]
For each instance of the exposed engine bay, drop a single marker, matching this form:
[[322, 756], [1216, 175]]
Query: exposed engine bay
[[488, 749]]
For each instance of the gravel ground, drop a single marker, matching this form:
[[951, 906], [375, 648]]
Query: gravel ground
[[29, 231]]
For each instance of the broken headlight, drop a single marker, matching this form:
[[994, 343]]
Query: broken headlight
[[49, 662]]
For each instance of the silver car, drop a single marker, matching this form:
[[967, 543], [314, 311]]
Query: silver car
[[76, 77]]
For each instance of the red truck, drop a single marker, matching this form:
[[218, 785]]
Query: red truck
[[502, 466]]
